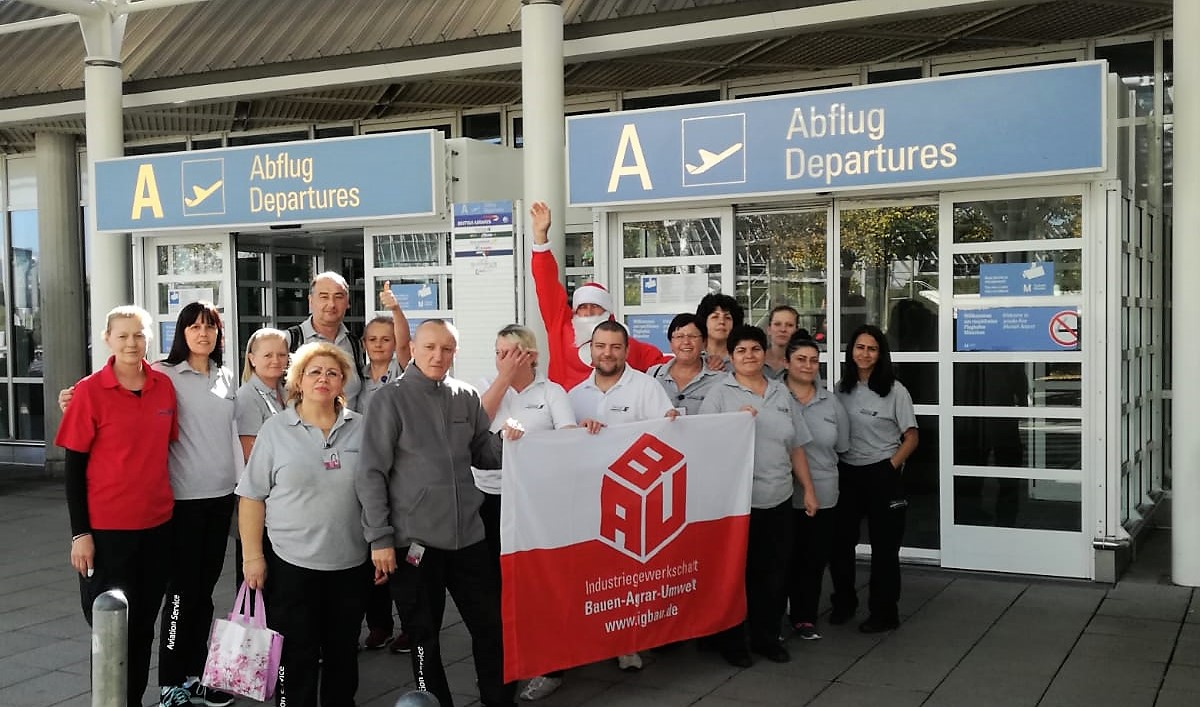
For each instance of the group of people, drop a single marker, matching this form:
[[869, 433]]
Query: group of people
[[365, 475]]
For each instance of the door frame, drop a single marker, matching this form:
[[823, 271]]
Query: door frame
[[1023, 550]]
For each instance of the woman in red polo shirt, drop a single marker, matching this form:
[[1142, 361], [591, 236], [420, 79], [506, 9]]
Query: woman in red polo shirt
[[116, 433]]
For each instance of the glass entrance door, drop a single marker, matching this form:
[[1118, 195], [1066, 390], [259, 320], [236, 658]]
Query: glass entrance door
[[178, 270], [275, 271], [1015, 469], [666, 263], [887, 265]]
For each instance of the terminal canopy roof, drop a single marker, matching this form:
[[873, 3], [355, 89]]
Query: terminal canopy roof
[[179, 57]]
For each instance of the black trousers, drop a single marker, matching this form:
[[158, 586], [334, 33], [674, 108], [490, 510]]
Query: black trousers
[[132, 561], [813, 541], [489, 513], [199, 536], [379, 606], [876, 492], [319, 614], [767, 553], [420, 593]]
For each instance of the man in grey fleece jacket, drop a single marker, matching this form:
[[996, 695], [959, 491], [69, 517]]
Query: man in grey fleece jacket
[[423, 433]]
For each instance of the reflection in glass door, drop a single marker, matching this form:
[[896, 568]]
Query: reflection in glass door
[[667, 263], [888, 276]]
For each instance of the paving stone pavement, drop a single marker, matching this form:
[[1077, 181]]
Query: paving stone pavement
[[966, 639]]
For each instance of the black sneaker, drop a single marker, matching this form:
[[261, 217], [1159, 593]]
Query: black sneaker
[[841, 615], [201, 695], [773, 652], [174, 697], [806, 631], [874, 624]]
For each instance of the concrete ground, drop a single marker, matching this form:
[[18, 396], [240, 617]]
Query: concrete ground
[[966, 639]]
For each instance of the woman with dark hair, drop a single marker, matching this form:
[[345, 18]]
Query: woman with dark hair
[[883, 434], [782, 323], [830, 428], [716, 316], [685, 377], [204, 463], [779, 461]]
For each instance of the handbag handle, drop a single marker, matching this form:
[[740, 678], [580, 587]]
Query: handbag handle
[[242, 610]]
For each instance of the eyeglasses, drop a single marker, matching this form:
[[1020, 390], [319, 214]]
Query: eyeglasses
[[685, 337], [332, 374]]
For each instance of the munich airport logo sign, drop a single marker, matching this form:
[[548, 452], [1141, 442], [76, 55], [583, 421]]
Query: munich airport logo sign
[[989, 125], [357, 178]]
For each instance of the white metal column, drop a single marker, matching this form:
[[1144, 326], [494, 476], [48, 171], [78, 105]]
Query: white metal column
[[544, 131], [1185, 301], [110, 267]]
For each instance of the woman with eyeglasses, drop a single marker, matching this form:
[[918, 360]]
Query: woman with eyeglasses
[[299, 487], [685, 378]]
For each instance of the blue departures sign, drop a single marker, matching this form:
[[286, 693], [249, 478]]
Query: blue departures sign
[[1040, 120], [366, 177], [1017, 329]]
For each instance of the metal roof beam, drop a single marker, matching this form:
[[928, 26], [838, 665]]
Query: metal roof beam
[[645, 41]]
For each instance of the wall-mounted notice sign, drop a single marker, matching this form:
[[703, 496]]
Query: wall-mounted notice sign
[[416, 297], [309, 181], [1016, 279], [485, 282], [1017, 329], [650, 328], [683, 289], [178, 298], [484, 214], [987, 125]]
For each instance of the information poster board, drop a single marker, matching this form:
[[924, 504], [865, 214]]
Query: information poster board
[[485, 287]]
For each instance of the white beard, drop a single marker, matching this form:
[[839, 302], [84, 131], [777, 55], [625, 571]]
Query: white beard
[[584, 326]]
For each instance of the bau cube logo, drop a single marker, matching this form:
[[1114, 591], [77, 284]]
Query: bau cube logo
[[643, 498]]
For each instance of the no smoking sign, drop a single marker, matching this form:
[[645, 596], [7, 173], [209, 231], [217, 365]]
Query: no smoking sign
[[1064, 329]]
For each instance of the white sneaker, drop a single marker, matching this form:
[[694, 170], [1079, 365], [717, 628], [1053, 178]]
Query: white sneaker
[[539, 687], [629, 663]]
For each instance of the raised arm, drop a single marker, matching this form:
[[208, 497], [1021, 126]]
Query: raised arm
[[388, 301]]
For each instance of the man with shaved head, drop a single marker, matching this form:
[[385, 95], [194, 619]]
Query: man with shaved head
[[421, 510]]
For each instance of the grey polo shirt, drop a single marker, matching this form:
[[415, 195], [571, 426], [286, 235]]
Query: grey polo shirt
[[830, 427], [371, 386], [692, 394], [778, 429], [204, 461], [342, 341], [876, 423], [314, 519], [256, 403]]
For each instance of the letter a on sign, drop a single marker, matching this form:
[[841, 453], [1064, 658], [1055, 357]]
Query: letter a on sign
[[145, 194], [629, 143]]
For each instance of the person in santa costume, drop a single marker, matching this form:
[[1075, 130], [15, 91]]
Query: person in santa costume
[[569, 326]]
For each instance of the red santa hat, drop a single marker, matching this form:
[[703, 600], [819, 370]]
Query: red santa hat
[[592, 293]]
